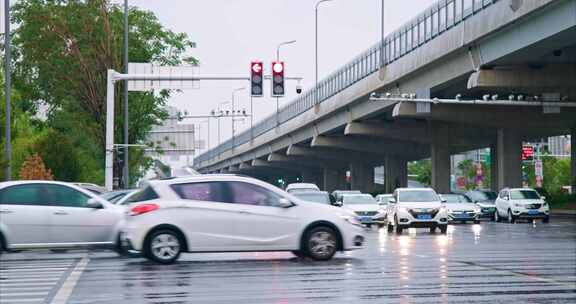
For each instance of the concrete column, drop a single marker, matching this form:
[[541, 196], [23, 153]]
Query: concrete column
[[573, 157], [395, 173], [309, 177], [333, 179], [440, 158], [509, 156], [494, 169], [362, 176]]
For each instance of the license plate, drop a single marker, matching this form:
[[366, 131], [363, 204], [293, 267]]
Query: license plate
[[424, 217], [365, 218], [532, 212]]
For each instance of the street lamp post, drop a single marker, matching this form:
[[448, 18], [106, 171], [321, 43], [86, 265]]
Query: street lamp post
[[7, 92], [218, 118], [233, 111], [278, 59], [316, 44], [126, 168]]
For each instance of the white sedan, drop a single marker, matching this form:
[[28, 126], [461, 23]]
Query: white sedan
[[226, 213]]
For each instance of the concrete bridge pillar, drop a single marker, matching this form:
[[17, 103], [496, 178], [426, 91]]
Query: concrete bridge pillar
[[395, 173], [509, 158], [362, 177], [573, 157], [440, 158], [310, 177], [333, 179]]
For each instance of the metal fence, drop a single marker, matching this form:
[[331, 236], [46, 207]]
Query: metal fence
[[434, 21]]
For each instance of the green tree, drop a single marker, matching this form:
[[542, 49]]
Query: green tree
[[468, 170], [422, 169], [63, 52]]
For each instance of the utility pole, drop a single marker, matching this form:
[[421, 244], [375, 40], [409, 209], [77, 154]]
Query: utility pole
[[126, 169], [7, 92]]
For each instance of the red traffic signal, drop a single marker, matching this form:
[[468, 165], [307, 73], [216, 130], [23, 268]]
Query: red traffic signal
[[256, 79], [277, 78], [527, 153]]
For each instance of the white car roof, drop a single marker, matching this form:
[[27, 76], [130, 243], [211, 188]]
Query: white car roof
[[302, 185], [414, 189]]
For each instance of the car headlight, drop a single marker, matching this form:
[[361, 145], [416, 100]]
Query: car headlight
[[545, 204], [351, 219]]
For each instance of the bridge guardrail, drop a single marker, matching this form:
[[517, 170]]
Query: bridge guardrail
[[434, 21]]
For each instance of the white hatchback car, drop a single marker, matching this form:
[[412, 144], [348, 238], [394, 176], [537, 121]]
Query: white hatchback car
[[521, 203], [416, 208], [227, 213], [56, 215]]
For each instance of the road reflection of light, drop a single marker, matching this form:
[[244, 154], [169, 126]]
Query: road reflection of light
[[382, 238], [442, 241], [412, 231], [476, 228], [450, 229], [404, 242]]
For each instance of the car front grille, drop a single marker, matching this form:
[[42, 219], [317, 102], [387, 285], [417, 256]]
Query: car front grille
[[416, 212], [366, 213], [533, 206]]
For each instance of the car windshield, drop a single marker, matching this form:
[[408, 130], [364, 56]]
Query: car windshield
[[419, 196], [317, 197], [484, 195], [358, 199], [455, 198], [524, 194]]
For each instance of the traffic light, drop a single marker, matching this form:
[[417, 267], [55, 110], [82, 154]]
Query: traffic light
[[256, 79], [277, 79]]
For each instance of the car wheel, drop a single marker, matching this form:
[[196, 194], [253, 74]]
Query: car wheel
[[321, 243], [398, 227], [432, 229], [119, 248], [546, 219], [369, 226], [59, 250], [1, 244], [380, 226], [443, 229], [511, 218], [476, 221], [163, 246], [493, 217], [497, 216], [298, 253]]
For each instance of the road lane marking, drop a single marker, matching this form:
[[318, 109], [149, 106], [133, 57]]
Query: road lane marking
[[65, 291]]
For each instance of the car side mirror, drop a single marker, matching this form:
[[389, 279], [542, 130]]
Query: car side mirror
[[284, 203], [443, 200], [337, 204], [543, 198], [391, 201], [94, 204], [506, 198]]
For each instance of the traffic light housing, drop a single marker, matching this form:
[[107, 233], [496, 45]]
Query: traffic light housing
[[278, 79], [256, 79]]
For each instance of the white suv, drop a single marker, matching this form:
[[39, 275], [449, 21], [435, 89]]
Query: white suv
[[416, 208], [227, 213], [521, 203]]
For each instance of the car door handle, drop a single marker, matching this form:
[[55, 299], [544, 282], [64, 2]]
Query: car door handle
[[6, 211], [60, 213], [244, 212]]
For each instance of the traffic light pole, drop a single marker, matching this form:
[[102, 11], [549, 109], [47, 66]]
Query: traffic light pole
[[7, 93]]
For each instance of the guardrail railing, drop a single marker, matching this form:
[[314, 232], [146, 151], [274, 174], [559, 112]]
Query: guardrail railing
[[434, 21]]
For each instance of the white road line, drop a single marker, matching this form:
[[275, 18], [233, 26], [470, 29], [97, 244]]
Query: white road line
[[44, 279], [20, 294], [65, 291], [34, 300], [36, 270]]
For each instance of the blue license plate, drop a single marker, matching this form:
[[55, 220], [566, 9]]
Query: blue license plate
[[365, 218], [533, 212], [424, 216]]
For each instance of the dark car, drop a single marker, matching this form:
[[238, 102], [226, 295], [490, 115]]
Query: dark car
[[485, 199]]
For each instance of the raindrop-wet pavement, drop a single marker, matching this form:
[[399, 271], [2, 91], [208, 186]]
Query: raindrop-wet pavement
[[486, 263]]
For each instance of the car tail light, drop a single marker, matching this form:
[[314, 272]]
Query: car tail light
[[143, 208]]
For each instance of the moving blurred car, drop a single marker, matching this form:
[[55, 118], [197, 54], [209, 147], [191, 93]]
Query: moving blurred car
[[301, 187], [226, 213], [313, 196], [56, 215], [416, 208], [115, 196], [91, 187], [460, 208], [486, 200], [337, 194], [521, 203], [365, 206]]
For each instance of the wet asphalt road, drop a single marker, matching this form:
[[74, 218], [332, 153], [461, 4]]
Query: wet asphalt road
[[486, 263]]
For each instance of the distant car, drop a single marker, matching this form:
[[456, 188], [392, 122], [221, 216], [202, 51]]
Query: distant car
[[56, 215], [337, 194], [313, 196], [91, 187], [486, 200], [115, 196], [225, 213], [365, 206], [460, 208], [301, 187], [416, 208], [521, 203]]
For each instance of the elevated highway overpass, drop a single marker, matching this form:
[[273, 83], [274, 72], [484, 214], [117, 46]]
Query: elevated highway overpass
[[430, 78]]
